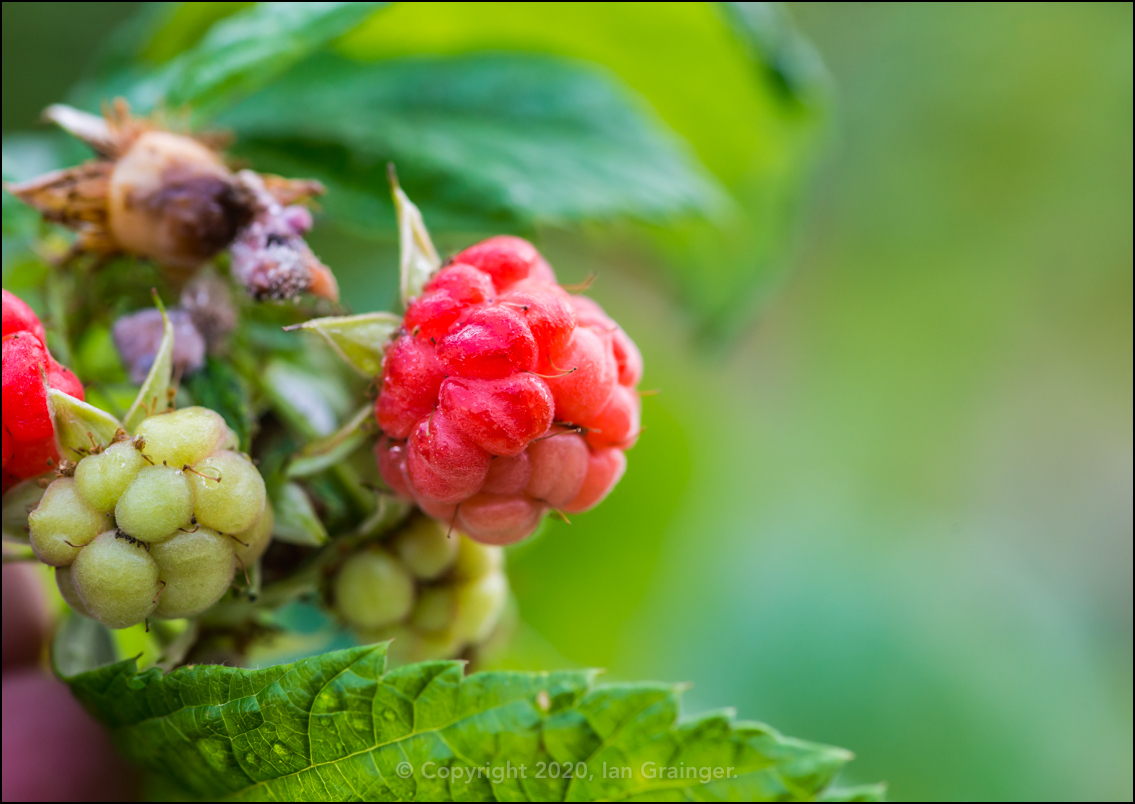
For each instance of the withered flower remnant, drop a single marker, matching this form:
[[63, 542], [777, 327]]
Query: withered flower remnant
[[170, 197]]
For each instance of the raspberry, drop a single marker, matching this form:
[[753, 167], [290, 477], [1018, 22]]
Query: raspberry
[[18, 317], [135, 536], [117, 579], [373, 589], [196, 569], [425, 549], [156, 504], [63, 523], [503, 396], [436, 594], [103, 478], [252, 543], [29, 435]]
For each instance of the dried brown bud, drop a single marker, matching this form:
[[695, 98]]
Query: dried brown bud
[[170, 197]]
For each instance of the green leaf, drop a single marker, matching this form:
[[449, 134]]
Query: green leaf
[[360, 340], [492, 138], [244, 51], [219, 387], [341, 727], [296, 520], [708, 79], [862, 792], [152, 396], [792, 63], [19, 501], [78, 426], [82, 645], [417, 257]]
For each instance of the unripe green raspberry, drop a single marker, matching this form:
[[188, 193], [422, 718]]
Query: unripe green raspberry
[[117, 580], [102, 478], [433, 645], [434, 609], [251, 543], [426, 547], [479, 604], [228, 492], [410, 645], [475, 560], [62, 523], [183, 437], [373, 589], [196, 570], [68, 591], [155, 505]]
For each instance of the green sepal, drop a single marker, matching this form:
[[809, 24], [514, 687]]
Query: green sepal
[[417, 257], [79, 427], [152, 396], [360, 340]]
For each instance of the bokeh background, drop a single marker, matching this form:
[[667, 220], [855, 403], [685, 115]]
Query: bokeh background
[[884, 498]]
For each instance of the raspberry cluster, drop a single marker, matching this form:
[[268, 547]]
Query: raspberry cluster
[[504, 396], [156, 524], [29, 435], [434, 594]]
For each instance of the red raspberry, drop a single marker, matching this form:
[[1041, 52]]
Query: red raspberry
[[504, 396], [18, 317], [29, 436]]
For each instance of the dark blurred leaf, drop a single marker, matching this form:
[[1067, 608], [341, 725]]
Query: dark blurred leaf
[[243, 52], [81, 645], [218, 386], [531, 139], [777, 47], [340, 727]]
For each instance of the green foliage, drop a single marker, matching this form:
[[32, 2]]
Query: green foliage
[[496, 139], [696, 132], [341, 727], [244, 51]]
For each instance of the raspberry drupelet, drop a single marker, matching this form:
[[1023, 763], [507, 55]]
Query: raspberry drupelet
[[503, 396]]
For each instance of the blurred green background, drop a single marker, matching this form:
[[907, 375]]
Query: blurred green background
[[884, 498]]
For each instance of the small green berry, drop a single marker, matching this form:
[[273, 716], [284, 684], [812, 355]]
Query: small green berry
[[183, 437], [68, 592], [155, 505], [102, 478], [434, 609], [373, 589], [117, 580], [475, 560], [196, 570], [480, 604], [426, 547], [251, 543], [62, 523], [228, 492]]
